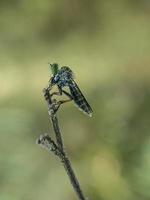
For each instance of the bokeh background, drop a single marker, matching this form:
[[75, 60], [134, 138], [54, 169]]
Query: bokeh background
[[107, 45]]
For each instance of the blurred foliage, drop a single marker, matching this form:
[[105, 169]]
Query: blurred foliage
[[107, 45]]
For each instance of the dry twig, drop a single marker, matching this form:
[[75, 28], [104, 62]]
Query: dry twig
[[58, 147]]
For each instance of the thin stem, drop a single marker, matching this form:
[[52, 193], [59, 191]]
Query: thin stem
[[73, 179], [58, 149], [52, 113], [46, 142]]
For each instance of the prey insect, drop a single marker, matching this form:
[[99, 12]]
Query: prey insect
[[64, 77]]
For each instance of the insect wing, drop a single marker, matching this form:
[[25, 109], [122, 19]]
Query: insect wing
[[79, 99]]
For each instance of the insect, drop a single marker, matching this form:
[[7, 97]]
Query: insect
[[64, 77]]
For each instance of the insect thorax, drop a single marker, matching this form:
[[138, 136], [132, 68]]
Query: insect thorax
[[64, 76]]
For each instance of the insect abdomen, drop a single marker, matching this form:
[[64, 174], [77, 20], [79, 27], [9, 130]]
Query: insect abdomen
[[79, 99]]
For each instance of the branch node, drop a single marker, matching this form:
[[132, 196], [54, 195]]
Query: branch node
[[46, 142]]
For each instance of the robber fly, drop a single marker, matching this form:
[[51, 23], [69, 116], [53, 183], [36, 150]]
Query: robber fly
[[64, 77]]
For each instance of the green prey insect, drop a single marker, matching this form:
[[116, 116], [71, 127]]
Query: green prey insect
[[64, 77]]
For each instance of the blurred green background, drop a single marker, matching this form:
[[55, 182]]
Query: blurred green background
[[107, 45]]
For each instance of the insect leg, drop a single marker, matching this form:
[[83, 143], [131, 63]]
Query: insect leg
[[68, 95], [59, 93], [59, 103], [55, 93]]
